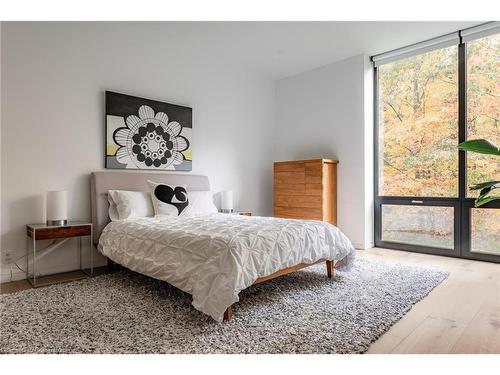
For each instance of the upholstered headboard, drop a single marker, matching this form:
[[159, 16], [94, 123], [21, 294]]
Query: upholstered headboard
[[102, 181]]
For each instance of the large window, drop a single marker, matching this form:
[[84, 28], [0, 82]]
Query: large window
[[418, 99], [483, 105], [418, 225], [429, 98]]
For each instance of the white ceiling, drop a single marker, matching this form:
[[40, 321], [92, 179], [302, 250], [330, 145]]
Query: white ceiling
[[281, 49]]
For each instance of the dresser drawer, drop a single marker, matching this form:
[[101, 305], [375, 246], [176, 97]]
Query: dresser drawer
[[314, 173], [299, 201], [289, 189], [285, 178], [314, 189], [298, 213], [59, 232], [289, 167]]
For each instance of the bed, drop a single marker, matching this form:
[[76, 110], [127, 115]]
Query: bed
[[212, 257]]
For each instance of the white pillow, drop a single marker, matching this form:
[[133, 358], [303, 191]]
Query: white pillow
[[168, 200], [113, 212], [129, 204], [200, 203]]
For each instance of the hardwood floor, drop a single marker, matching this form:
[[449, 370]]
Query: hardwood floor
[[461, 315]]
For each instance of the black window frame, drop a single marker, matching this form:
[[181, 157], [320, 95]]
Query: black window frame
[[461, 204]]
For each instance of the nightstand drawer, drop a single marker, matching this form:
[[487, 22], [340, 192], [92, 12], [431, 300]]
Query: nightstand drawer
[[60, 232]]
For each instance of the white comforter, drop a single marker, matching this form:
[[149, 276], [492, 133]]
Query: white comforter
[[216, 256]]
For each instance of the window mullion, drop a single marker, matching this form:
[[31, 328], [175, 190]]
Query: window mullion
[[462, 119]]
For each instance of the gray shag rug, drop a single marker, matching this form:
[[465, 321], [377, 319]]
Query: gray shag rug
[[304, 312]]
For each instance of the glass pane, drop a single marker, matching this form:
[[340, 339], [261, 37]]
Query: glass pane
[[418, 225], [483, 106], [485, 230], [418, 125]]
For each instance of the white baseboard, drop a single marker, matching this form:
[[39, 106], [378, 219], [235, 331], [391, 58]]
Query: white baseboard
[[5, 276], [19, 275], [363, 246]]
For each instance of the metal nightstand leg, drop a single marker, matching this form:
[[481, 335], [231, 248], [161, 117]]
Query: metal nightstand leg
[[34, 262], [91, 250], [80, 250], [27, 257], [91, 247], [32, 280]]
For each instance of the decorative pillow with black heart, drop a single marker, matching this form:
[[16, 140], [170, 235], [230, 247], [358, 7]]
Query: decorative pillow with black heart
[[168, 200]]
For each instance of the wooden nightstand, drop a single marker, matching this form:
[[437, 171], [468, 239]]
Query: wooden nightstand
[[47, 232]]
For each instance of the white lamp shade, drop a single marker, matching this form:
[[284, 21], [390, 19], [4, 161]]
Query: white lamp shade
[[57, 206], [226, 200]]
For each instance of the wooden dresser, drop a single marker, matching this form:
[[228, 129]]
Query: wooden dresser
[[306, 189]]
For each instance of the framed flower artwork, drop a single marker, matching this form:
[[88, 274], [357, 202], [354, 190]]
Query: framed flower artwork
[[147, 134]]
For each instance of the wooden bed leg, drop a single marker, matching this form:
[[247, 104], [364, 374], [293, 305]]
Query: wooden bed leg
[[228, 314], [111, 265], [329, 269]]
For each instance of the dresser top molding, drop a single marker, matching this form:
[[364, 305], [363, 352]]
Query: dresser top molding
[[328, 161]]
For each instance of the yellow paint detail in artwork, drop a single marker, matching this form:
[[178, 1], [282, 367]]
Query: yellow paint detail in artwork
[[188, 155], [111, 150]]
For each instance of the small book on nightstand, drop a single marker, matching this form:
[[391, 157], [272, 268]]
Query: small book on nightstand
[[244, 213]]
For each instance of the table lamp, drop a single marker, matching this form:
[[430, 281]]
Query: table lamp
[[57, 207], [226, 201]]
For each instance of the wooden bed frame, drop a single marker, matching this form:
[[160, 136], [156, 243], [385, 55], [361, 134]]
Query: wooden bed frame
[[228, 314]]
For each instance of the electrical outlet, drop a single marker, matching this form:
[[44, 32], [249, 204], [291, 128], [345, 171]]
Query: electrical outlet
[[6, 257]]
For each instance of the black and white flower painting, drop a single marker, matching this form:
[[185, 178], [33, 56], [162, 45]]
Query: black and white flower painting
[[147, 134]]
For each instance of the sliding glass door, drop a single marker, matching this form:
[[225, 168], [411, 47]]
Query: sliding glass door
[[427, 102]]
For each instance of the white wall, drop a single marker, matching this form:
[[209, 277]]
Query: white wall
[[53, 76], [1, 253], [53, 79], [327, 113], [368, 124]]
